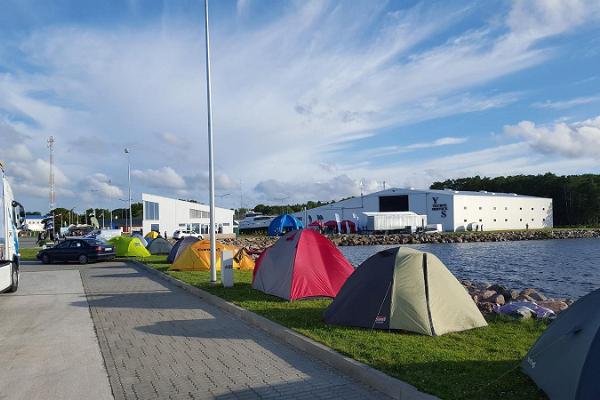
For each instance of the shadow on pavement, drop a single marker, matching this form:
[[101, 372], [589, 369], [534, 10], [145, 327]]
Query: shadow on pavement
[[142, 300], [199, 328]]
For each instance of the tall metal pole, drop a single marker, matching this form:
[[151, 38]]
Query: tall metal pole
[[129, 179], [211, 166]]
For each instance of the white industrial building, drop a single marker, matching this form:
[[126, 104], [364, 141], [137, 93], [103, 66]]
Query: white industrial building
[[162, 214], [34, 223], [454, 210]]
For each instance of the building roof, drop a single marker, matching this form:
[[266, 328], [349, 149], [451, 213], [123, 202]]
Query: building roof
[[448, 192]]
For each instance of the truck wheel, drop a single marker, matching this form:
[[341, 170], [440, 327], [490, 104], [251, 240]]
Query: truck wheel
[[46, 259], [83, 259], [14, 279]]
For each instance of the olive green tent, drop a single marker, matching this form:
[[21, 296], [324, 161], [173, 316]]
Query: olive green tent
[[405, 289], [127, 246]]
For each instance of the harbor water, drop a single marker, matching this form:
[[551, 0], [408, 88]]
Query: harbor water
[[566, 268]]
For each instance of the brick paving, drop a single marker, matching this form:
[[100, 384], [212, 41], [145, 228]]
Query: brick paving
[[160, 342]]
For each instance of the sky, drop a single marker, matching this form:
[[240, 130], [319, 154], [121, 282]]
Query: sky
[[312, 100]]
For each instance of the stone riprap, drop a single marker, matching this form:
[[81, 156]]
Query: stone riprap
[[260, 242], [486, 296]]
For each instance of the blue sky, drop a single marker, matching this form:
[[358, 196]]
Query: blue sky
[[311, 98]]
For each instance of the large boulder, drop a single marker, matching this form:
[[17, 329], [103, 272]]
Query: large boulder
[[534, 294]]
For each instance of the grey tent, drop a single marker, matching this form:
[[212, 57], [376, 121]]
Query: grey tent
[[565, 360], [179, 247], [405, 289], [159, 245]]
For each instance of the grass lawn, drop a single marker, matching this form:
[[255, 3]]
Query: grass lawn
[[477, 364], [29, 253]]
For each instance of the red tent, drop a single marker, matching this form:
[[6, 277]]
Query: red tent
[[348, 226], [331, 225], [315, 225], [301, 264]]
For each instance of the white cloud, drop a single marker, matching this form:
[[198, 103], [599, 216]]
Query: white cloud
[[397, 149], [562, 105], [101, 185], [576, 140], [164, 178]]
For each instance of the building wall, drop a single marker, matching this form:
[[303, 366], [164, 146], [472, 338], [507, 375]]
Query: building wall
[[174, 214], [34, 224], [503, 212]]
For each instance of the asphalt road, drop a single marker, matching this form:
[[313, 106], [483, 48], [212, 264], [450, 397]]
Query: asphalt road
[[48, 346]]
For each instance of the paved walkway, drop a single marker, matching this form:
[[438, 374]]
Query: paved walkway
[[160, 342], [48, 347]]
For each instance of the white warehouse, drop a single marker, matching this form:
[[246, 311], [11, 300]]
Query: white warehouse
[[162, 214], [454, 210]]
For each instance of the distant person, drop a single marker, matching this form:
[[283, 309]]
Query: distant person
[[165, 234], [527, 226], [481, 227]]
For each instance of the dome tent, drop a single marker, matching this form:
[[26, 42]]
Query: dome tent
[[196, 257], [159, 245], [405, 289], [565, 360], [303, 263], [179, 247], [142, 239], [152, 235], [127, 246], [284, 223]]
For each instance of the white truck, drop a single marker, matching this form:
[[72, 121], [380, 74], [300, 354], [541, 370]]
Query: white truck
[[12, 219]]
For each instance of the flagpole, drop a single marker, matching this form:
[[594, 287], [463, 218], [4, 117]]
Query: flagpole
[[211, 166]]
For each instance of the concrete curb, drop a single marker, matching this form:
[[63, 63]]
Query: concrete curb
[[360, 372]]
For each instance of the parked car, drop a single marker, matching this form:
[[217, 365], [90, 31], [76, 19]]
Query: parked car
[[181, 233], [80, 250]]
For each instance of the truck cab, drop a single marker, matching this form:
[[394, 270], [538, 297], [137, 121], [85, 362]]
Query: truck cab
[[12, 219]]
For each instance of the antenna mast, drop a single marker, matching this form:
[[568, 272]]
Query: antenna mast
[[51, 179]]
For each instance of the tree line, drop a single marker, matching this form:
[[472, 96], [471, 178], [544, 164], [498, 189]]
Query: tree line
[[575, 198]]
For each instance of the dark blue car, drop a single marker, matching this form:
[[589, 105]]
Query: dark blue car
[[79, 250]]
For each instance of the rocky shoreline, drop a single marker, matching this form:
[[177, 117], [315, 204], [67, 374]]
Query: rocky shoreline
[[487, 297], [260, 242]]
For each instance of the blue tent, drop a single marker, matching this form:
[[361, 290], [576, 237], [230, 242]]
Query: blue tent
[[283, 224]]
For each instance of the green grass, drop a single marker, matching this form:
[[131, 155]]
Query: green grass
[[477, 364], [29, 254]]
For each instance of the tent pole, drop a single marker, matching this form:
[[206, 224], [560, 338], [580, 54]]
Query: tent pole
[[211, 166]]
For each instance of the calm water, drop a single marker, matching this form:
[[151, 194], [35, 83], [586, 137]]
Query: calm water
[[560, 268]]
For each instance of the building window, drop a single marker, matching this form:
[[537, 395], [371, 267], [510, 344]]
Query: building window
[[480, 220], [505, 219], [465, 207], [205, 214], [494, 208], [543, 209], [154, 227], [520, 219], [531, 219], [521, 208], [225, 223], [195, 213], [543, 219], [480, 207], [151, 210], [494, 219], [531, 208], [465, 220], [505, 208]]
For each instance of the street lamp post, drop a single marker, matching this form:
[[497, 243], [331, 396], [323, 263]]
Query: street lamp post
[[211, 166], [129, 180]]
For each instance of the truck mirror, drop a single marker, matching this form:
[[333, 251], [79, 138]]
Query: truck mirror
[[19, 214]]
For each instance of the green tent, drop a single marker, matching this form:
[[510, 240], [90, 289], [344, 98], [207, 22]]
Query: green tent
[[405, 289], [565, 360], [127, 246]]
